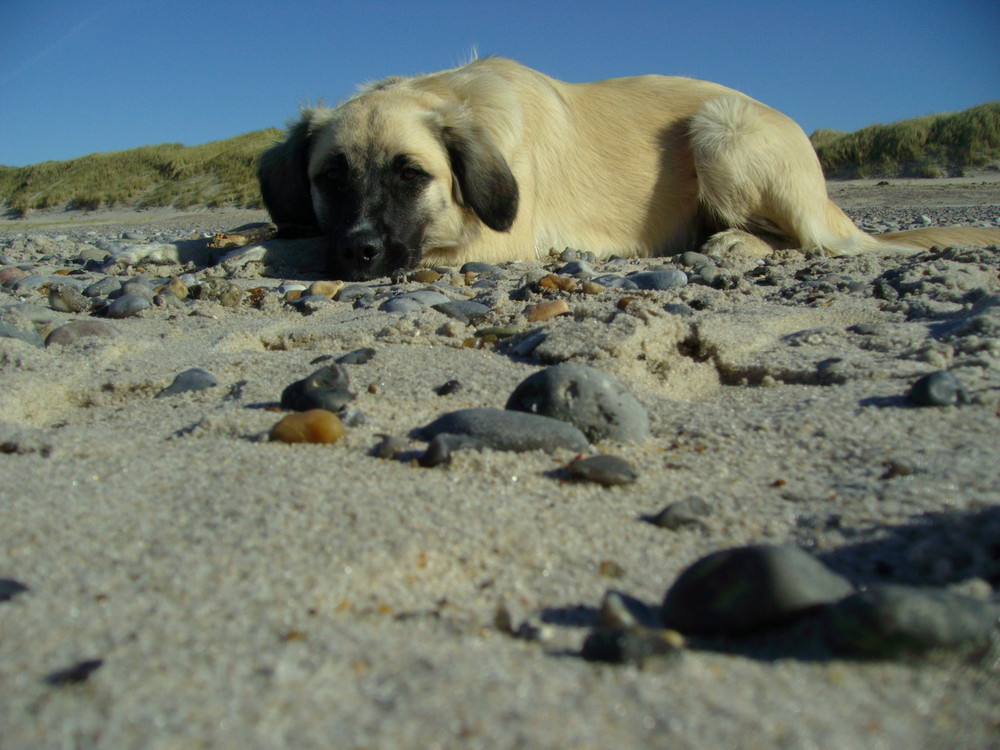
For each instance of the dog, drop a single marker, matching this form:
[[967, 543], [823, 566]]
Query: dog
[[494, 161]]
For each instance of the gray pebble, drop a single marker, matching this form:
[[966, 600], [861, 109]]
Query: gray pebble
[[508, 430], [940, 388], [603, 469], [695, 260], [477, 267], [688, 512], [611, 281], [595, 402], [354, 292], [128, 306], [886, 620], [659, 280], [576, 267], [328, 385], [466, 310], [80, 329], [357, 357], [138, 286], [9, 331], [740, 590], [389, 447], [9, 588], [103, 288], [310, 303], [412, 301], [195, 379], [629, 645]]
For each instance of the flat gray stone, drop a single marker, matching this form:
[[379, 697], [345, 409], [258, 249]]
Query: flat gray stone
[[595, 402], [506, 430]]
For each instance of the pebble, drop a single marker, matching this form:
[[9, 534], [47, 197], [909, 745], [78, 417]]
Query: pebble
[[620, 610], [613, 281], [576, 267], [602, 469], [9, 588], [128, 306], [355, 293], [659, 280], [506, 430], [195, 379], [477, 268], [313, 426], [389, 447], [357, 357], [940, 388], [552, 282], [412, 301], [425, 276], [328, 289], [80, 329], [743, 589], [326, 388], [889, 620], [9, 275], [446, 389], [595, 402], [8, 331], [103, 288], [683, 513], [309, 303], [67, 298], [546, 310], [74, 675], [630, 645], [465, 310]]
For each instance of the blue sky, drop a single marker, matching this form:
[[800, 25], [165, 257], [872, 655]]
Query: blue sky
[[83, 76]]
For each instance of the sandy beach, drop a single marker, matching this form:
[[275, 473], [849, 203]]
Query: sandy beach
[[214, 588]]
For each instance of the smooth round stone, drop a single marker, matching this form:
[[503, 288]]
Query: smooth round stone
[[695, 260], [546, 310], [30, 282], [477, 267], [314, 426], [740, 590], [9, 275], [659, 280], [603, 469], [508, 430], [195, 379], [67, 298], [357, 357], [167, 298], [128, 306], [139, 287], [9, 588], [354, 292], [683, 513], [7, 331], [940, 388], [411, 301], [103, 288], [310, 303], [576, 267], [613, 281], [886, 620], [331, 399], [330, 378], [595, 402], [466, 310], [80, 329]]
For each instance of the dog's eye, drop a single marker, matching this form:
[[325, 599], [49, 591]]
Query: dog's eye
[[409, 174]]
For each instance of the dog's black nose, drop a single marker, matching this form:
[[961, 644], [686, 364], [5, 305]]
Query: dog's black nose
[[364, 247]]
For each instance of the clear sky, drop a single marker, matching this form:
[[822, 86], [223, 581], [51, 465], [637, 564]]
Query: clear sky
[[83, 76]]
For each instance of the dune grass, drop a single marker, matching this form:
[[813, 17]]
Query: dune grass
[[942, 145], [223, 173]]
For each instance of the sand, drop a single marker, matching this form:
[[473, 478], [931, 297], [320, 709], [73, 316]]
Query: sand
[[243, 593]]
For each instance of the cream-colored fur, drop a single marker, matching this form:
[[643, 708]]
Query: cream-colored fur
[[649, 165]]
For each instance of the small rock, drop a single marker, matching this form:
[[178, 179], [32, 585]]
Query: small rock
[[327, 385], [451, 386], [103, 288], [552, 282], [389, 447], [75, 674], [195, 379], [689, 512], [508, 430], [940, 388], [740, 590], [128, 306], [630, 645], [575, 267], [612, 281], [67, 298], [468, 311], [620, 610], [595, 402], [887, 620], [659, 280], [412, 301], [80, 329], [477, 267], [328, 289], [425, 276], [603, 469], [313, 426], [546, 310], [589, 287], [9, 588], [357, 357], [8, 331]]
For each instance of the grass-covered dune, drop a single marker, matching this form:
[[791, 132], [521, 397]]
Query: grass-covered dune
[[223, 173]]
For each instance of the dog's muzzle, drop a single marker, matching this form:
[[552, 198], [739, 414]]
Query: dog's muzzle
[[368, 254]]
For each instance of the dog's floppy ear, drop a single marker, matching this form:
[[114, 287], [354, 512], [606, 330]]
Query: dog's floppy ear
[[486, 183], [284, 180]]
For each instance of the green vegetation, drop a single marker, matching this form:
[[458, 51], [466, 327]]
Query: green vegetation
[[931, 146], [223, 173]]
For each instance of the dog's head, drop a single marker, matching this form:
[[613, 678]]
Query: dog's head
[[389, 176]]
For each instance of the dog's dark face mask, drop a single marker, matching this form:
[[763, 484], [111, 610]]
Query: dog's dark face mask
[[388, 182]]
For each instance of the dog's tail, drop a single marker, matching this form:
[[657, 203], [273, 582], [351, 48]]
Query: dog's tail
[[927, 237]]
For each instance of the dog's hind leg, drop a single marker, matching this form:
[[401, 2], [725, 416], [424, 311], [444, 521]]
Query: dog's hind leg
[[758, 172]]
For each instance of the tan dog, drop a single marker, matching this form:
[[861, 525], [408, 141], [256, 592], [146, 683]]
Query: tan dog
[[494, 161]]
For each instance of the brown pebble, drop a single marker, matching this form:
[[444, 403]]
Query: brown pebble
[[592, 287], [313, 426], [178, 287], [327, 288], [546, 310], [11, 273], [557, 283], [293, 295], [425, 276]]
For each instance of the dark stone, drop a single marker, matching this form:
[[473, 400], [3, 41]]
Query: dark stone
[[508, 430]]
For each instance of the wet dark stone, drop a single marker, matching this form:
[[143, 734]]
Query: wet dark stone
[[940, 388], [9, 588]]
